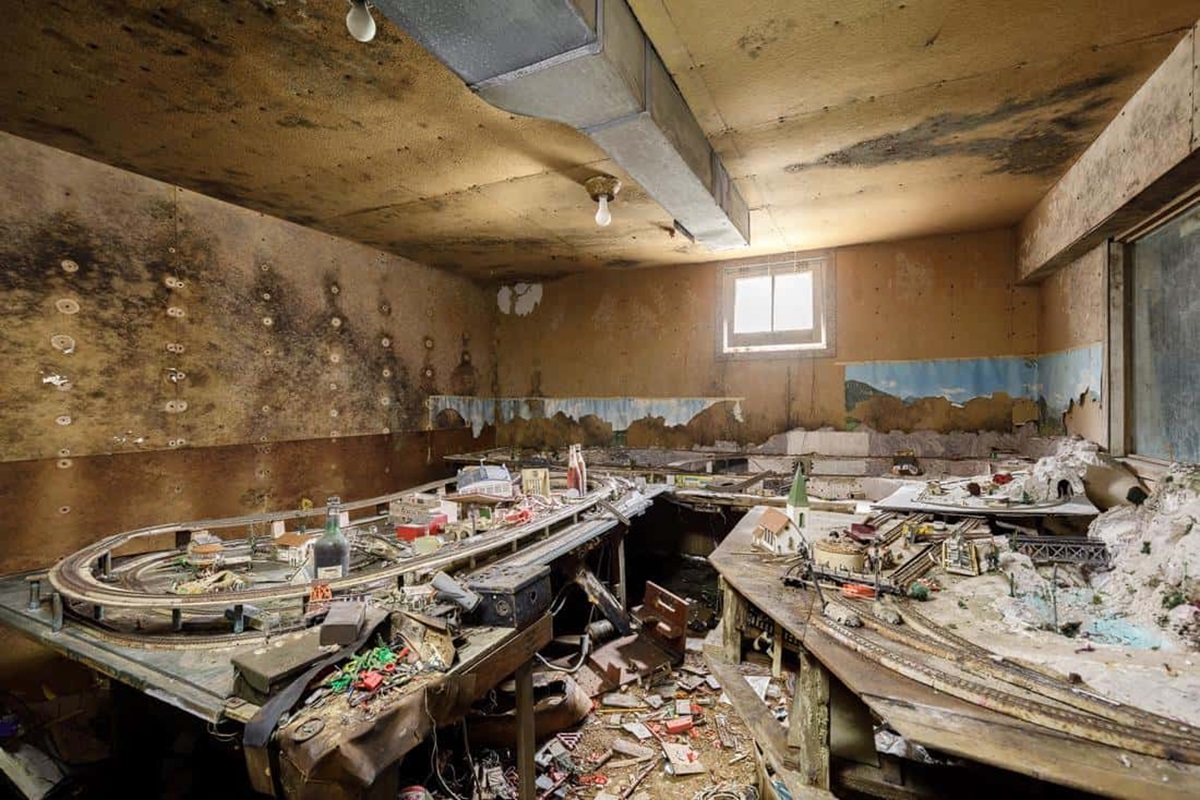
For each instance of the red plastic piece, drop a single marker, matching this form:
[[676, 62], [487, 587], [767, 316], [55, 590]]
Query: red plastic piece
[[369, 681], [679, 725]]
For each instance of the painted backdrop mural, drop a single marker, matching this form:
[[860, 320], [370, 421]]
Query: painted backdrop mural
[[972, 393]]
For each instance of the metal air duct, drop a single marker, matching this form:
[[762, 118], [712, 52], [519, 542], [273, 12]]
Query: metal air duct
[[589, 64]]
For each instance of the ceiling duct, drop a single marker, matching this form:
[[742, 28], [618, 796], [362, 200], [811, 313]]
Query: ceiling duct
[[588, 63]]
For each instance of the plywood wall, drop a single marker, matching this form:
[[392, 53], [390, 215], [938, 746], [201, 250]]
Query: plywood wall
[[1073, 314], [651, 333], [169, 356]]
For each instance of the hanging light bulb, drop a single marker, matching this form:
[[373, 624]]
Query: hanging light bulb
[[359, 21], [603, 189], [603, 216]]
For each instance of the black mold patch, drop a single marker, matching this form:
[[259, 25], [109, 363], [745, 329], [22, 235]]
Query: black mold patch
[[1036, 147], [296, 121], [758, 38]]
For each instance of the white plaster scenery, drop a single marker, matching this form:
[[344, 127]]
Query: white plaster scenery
[[520, 298]]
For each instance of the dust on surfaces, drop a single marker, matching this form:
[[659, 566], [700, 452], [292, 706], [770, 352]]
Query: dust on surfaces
[[296, 121], [758, 38], [1049, 130]]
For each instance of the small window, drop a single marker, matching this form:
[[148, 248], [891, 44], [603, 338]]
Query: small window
[[777, 307]]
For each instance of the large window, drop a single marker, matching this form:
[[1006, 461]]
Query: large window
[[1164, 332], [777, 306]]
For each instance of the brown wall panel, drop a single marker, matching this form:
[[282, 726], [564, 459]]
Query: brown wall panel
[[651, 333], [198, 323], [51, 510]]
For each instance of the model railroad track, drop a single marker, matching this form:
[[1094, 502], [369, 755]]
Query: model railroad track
[[921, 562], [73, 576], [1155, 742], [971, 658], [1051, 685]]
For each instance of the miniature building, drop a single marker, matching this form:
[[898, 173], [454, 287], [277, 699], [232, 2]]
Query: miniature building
[[839, 555], [294, 548], [959, 556], [776, 533], [207, 554]]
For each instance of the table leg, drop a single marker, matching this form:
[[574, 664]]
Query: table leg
[[808, 730], [733, 614], [526, 743]]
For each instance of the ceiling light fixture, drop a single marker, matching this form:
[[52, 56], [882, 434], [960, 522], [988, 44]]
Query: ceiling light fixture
[[603, 189], [359, 21]]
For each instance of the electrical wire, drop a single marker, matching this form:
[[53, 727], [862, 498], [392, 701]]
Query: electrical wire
[[584, 648], [434, 752]]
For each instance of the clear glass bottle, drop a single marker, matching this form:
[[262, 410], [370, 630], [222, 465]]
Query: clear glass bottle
[[331, 553]]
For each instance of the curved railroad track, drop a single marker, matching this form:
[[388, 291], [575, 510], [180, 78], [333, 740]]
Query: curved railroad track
[[74, 576], [967, 656], [1166, 739]]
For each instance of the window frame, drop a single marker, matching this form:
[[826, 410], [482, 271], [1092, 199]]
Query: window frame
[[1119, 348], [814, 342]]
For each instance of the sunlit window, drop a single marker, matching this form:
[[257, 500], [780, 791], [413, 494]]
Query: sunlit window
[[775, 305]]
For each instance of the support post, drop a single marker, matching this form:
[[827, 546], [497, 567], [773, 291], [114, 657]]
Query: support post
[[808, 731], [620, 567], [35, 592], [177, 619], [56, 612], [777, 652], [526, 743], [732, 616]]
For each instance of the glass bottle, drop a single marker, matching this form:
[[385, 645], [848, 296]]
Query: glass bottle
[[797, 502], [573, 472], [331, 553]]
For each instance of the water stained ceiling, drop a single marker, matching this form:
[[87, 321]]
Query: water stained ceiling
[[842, 122]]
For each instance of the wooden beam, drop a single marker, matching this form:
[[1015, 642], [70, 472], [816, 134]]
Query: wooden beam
[[1142, 161], [526, 743], [1117, 350], [777, 652], [808, 731], [733, 616]]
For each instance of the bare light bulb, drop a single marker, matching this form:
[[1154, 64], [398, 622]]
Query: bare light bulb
[[603, 217], [359, 21]]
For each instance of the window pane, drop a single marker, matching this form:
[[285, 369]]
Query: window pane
[[794, 302], [752, 305], [1165, 329]]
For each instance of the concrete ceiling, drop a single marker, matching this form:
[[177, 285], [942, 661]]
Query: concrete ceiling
[[842, 122]]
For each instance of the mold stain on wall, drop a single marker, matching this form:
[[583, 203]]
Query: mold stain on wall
[[198, 360], [194, 323], [1026, 136]]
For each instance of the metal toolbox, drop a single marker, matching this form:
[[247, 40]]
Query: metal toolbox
[[511, 596]]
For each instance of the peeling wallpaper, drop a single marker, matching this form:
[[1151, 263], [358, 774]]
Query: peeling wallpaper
[[1052, 381], [618, 412]]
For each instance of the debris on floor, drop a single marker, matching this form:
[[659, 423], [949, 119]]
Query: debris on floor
[[665, 735]]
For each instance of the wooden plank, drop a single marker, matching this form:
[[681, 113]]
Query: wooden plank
[[1107, 771], [808, 733], [766, 730], [733, 615], [525, 732], [1140, 162], [1118, 349], [777, 652]]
